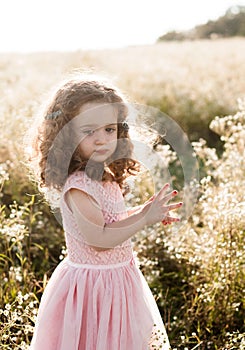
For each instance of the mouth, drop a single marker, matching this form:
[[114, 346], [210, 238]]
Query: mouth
[[101, 151]]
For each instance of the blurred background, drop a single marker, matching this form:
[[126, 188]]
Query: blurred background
[[187, 59], [77, 25]]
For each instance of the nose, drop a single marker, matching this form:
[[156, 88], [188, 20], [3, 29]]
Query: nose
[[100, 137]]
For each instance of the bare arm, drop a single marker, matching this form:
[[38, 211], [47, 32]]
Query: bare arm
[[97, 233], [134, 210]]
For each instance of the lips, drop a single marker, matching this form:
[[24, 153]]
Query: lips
[[101, 151]]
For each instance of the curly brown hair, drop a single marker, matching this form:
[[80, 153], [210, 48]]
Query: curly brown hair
[[54, 159]]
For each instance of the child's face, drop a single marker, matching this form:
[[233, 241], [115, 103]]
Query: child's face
[[98, 130]]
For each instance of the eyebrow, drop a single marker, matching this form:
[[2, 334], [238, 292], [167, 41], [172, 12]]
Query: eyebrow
[[97, 125]]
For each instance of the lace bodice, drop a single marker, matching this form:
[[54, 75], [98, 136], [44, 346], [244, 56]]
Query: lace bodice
[[109, 198]]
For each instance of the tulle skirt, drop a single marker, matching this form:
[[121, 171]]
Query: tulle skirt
[[98, 307]]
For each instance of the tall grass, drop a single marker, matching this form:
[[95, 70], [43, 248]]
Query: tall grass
[[196, 269]]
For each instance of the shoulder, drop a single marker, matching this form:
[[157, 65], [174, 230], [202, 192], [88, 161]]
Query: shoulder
[[76, 180], [80, 181]]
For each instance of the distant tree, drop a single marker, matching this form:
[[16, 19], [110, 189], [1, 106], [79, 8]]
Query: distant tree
[[172, 36], [231, 24]]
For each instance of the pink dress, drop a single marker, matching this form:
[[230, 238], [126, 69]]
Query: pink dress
[[97, 300]]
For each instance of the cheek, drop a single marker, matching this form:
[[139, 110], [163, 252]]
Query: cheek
[[114, 143], [84, 146]]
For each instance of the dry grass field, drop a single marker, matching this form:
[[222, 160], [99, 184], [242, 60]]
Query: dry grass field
[[196, 272]]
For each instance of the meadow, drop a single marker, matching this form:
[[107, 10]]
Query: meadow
[[196, 269]]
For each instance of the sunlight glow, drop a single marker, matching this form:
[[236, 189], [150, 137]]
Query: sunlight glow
[[71, 25]]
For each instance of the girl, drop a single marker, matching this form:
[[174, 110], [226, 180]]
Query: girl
[[97, 298]]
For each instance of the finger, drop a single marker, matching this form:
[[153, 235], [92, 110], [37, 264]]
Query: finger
[[170, 195], [169, 220], [172, 218], [151, 199], [162, 192], [174, 206]]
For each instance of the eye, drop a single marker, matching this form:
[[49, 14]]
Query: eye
[[88, 132], [110, 130]]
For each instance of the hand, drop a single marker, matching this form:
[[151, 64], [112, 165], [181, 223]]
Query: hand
[[157, 208]]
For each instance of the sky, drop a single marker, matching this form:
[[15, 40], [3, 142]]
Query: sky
[[61, 25]]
